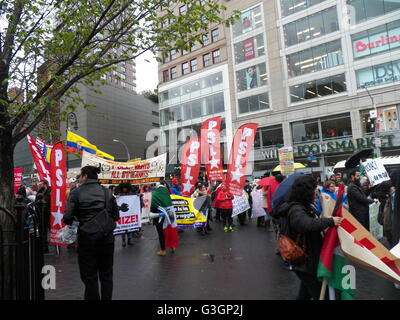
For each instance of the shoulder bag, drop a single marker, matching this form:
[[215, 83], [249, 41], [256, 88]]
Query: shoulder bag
[[100, 226]]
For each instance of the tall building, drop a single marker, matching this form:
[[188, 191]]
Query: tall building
[[307, 71]]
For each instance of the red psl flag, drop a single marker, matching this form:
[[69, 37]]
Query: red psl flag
[[58, 173], [241, 146], [190, 165], [211, 148], [40, 162]]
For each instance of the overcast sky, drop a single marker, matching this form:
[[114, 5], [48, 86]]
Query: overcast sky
[[146, 72]]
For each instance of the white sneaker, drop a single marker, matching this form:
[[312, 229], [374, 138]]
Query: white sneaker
[[397, 286]]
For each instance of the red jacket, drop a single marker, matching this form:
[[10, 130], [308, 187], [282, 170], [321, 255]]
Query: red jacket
[[223, 202]]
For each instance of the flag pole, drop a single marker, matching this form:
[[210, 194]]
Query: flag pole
[[323, 289]]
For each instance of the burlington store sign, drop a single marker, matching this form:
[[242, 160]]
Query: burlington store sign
[[335, 146]]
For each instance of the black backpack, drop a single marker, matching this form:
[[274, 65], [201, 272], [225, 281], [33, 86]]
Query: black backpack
[[100, 226]]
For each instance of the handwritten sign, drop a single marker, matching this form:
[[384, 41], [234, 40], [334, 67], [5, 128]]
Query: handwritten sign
[[375, 171], [240, 204]]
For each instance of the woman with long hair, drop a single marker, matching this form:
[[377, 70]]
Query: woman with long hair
[[305, 226]]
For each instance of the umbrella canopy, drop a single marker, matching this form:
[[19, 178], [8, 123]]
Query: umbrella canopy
[[297, 165], [354, 160], [265, 182], [279, 196]]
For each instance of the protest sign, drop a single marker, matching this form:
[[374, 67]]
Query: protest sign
[[286, 160], [129, 214], [146, 208], [240, 204], [189, 211], [375, 171]]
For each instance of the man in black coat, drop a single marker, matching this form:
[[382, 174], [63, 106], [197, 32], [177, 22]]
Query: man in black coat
[[95, 259], [358, 201]]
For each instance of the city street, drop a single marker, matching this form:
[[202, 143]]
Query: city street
[[241, 265]]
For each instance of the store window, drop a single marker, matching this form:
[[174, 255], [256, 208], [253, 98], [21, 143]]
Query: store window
[[376, 40], [305, 131], [384, 73], [251, 77], [317, 58], [363, 10], [206, 39], [215, 35], [216, 56], [185, 68], [271, 136], [165, 75], [249, 48], [335, 127], [311, 27], [318, 88], [193, 65], [368, 123], [289, 7], [207, 60], [249, 20], [173, 73], [253, 103]]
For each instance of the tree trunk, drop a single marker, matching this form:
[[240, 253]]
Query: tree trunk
[[6, 169]]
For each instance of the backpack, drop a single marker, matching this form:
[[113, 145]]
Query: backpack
[[100, 226]]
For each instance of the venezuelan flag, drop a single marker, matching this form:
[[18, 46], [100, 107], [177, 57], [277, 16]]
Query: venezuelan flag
[[76, 144]]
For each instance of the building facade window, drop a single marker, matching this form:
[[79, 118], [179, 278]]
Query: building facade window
[[206, 39], [249, 20], [215, 35], [363, 10], [207, 60], [388, 117], [173, 73], [216, 55], [267, 137], [318, 88], [185, 68], [253, 103], [289, 7], [193, 65], [314, 59], [251, 77], [249, 48], [376, 40], [182, 10], [173, 54], [311, 27], [384, 73], [324, 128]]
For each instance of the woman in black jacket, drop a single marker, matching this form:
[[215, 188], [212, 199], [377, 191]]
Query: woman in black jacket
[[305, 225]]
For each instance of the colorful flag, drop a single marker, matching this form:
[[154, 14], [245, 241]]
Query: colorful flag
[[170, 228], [190, 165], [240, 152], [45, 149], [58, 173], [77, 144], [39, 161], [211, 148]]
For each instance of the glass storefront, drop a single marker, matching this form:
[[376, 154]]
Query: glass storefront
[[388, 117], [249, 49], [376, 40], [322, 129], [292, 6], [251, 77], [380, 74], [314, 59], [363, 10], [318, 88], [194, 109], [267, 137], [253, 103], [310, 27], [249, 20]]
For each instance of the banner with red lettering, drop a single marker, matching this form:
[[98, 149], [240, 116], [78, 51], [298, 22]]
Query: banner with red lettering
[[17, 179], [40, 163], [58, 174], [239, 156], [190, 165], [211, 148], [129, 214]]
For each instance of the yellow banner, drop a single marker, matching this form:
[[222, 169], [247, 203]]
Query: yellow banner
[[187, 210]]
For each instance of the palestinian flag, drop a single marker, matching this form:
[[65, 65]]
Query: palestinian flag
[[332, 259]]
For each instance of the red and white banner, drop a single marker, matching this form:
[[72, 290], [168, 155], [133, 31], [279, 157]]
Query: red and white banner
[[190, 165], [239, 156], [248, 49], [211, 148], [58, 174], [17, 179], [40, 163]]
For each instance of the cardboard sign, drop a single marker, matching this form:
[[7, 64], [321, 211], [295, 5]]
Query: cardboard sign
[[286, 160], [375, 171], [240, 204]]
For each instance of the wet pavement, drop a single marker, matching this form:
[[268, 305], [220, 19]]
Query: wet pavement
[[239, 265]]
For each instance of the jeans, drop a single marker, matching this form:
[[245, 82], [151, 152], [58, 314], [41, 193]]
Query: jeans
[[96, 261]]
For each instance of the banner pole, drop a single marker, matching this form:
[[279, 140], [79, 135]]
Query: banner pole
[[323, 289]]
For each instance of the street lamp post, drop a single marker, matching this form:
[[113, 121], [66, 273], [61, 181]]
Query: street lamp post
[[376, 124], [127, 151]]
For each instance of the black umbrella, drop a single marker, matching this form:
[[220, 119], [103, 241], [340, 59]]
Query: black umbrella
[[283, 190], [354, 160]]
